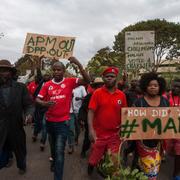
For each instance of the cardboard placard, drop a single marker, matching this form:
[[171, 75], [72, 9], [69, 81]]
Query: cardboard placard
[[49, 46], [139, 48], [150, 123]]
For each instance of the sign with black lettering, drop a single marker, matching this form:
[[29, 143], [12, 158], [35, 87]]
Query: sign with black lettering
[[150, 123], [139, 49], [49, 46]]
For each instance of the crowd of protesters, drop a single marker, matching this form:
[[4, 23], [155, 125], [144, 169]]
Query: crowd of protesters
[[60, 106]]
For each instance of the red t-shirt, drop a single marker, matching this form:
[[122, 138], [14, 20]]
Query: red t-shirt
[[61, 94], [32, 87], [107, 111], [174, 100], [90, 90]]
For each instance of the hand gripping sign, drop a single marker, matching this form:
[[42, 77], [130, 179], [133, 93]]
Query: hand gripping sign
[[150, 123]]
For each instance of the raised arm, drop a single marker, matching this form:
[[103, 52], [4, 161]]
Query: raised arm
[[86, 78]]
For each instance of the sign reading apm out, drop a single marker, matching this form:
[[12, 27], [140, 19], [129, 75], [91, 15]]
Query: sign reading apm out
[[49, 46]]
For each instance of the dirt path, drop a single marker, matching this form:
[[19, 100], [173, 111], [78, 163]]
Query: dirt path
[[38, 166]]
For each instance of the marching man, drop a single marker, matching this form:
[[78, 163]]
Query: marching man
[[104, 118]]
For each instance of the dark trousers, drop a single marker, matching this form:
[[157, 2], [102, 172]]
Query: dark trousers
[[17, 143], [44, 130], [38, 120], [77, 127], [86, 142], [5, 155]]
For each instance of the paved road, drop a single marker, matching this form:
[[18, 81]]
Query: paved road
[[75, 167]]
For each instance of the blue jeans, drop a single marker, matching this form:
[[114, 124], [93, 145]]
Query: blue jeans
[[4, 156], [177, 178], [58, 132], [71, 134]]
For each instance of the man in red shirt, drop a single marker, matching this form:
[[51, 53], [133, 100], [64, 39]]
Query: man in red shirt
[[104, 118], [57, 96], [33, 85]]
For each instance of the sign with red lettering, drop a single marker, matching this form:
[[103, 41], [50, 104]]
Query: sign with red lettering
[[150, 123]]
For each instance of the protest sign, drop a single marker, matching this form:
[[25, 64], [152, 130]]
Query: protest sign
[[139, 49], [150, 123], [49, 46]]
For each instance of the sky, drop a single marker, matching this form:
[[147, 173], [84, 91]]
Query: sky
[[94, 23]]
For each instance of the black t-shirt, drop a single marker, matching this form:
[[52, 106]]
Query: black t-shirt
[[141, 102], [131, 96]]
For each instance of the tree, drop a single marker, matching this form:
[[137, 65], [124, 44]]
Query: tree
[[103, 58], [167, 39], [37, 64], [28, 62], [24, 63]]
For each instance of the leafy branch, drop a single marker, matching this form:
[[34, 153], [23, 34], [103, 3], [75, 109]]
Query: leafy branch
[[113, 170]]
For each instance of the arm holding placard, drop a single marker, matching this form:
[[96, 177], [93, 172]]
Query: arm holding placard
[[86, 78]]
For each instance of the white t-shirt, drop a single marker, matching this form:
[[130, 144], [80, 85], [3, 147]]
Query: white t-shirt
[[79, 92]]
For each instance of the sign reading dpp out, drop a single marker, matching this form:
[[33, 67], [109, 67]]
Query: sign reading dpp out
[[150, 123], [49, 46]]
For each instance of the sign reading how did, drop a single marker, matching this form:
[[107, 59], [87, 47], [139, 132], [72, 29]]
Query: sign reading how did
[[150, 123], [49, 46]]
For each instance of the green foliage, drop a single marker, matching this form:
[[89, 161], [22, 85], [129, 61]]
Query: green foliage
[[24, 63], [113, 171], [167, 46], [167, 39], [103, 58]]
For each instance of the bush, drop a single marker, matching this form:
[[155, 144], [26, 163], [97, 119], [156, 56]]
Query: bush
[[112, 170]]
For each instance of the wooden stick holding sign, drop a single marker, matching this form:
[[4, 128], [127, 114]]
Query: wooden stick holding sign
[[49, 46], [150, 123]]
